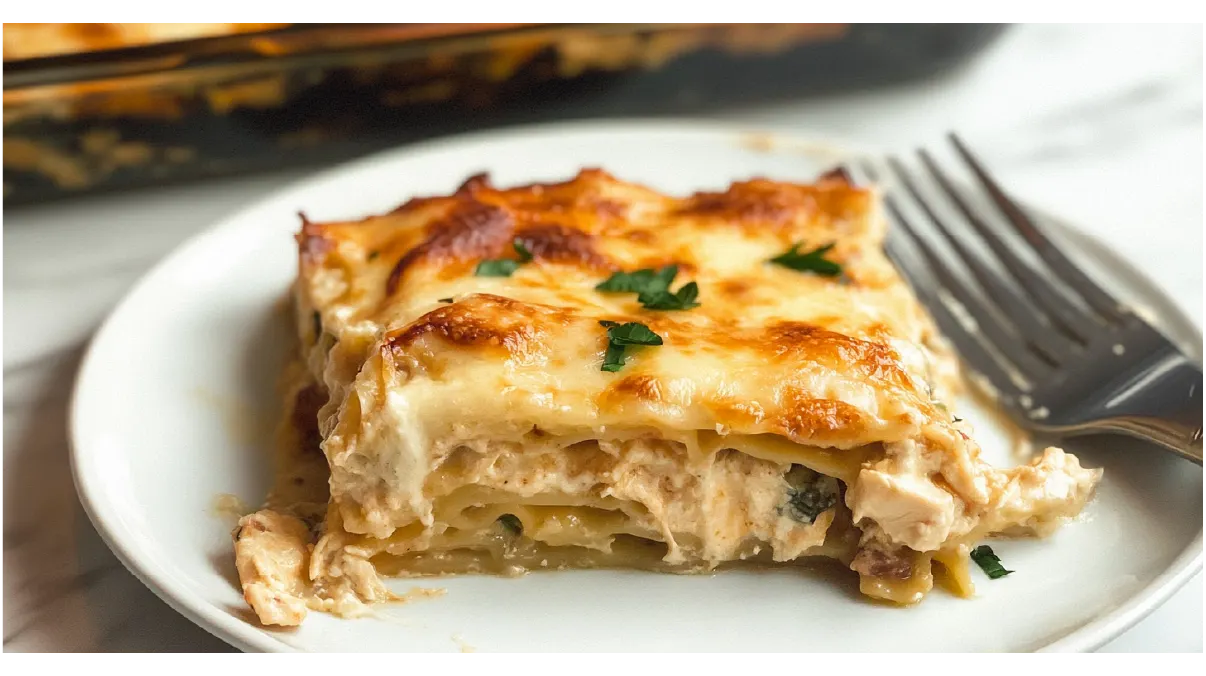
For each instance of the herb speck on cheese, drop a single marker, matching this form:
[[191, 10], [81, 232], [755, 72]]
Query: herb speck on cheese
[[653, 288], [620, 337], [504, 267], [811, 261]]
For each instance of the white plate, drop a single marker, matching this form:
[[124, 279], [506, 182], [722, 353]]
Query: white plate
[[176, 393]]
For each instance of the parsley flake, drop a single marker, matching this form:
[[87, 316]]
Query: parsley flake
[[633, 333], [613, 359], [525, 256], [988, 562], [446, 300], [504, 267], [809, 494], [683, 299], [619, 337], [647, 280], [653, 288], [811, 261]]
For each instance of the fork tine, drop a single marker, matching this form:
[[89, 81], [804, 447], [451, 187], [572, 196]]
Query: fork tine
[[1029, 322], [920, 277], [1003, 337], [1096, 297], [1062, 313]]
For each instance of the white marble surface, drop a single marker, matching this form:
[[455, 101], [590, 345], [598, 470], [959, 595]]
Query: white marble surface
[[1100, 124]]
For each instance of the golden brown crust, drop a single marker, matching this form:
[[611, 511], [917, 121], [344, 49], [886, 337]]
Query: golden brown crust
[[778, 331], [579, 201], [870, 361], [808, 420], [470, 231], [475, 183], [596, 223], [562, 244], [32, 40], [641, 386], [762, 203], [312, 242], [484, 321]]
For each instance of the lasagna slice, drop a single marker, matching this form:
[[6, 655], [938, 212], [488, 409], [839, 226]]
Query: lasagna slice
[[594, 374]]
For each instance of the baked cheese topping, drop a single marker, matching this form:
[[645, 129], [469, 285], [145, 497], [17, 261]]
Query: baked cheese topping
[[34, 40], [454, 379]]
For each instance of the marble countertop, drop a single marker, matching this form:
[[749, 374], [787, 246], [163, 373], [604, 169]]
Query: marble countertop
[[1100, 124]]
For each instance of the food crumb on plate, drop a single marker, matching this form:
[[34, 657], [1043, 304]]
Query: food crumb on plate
[[417, 593], [460, 643], [228, 505]]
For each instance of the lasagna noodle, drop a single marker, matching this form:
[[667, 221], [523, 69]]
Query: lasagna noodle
[[466, 424]]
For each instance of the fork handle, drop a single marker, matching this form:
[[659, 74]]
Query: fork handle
[[1166, 408]]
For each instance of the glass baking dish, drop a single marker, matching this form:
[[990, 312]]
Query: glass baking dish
[[127, 116]]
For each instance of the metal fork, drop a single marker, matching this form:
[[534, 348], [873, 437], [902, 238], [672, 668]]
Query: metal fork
[[1062, 354]]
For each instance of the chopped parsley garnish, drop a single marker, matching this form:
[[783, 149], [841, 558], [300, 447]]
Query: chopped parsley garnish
[[620, 336], [639, 281], [511, 523], [446, 300], [809, 494], [683, 299], [613, 359], [811, 261], [504, 267], [653, 288], [988, 562], [372, 255], [630, 333], [525, 256]]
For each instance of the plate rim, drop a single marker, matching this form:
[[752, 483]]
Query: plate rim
[[248, 638]]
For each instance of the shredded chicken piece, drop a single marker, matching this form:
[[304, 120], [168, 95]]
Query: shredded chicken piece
[[272, 553]]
